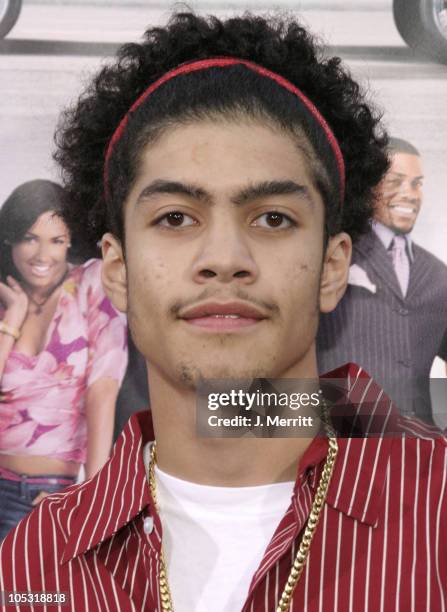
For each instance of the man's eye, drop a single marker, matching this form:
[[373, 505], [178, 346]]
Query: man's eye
[[175, 219], [29, 238], [274, 220]]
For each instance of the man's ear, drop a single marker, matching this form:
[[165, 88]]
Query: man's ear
[[334, 277], [114, 277]]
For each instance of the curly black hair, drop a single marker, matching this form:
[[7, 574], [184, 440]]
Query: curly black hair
[[279, 44]]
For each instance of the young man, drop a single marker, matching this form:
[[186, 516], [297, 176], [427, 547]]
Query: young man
[[227, 167], [393, 316]]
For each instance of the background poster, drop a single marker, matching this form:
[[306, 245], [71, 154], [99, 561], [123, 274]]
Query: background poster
[[56, 45]]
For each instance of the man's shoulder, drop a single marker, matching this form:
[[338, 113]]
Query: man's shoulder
[[436, 264], [422, 453], [366, 248], [416, 456], [31, 553], [368, 240]]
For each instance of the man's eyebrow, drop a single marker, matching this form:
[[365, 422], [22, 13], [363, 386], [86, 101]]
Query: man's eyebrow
[[267, 189], [245, 195], [161, 186], [403, 175]]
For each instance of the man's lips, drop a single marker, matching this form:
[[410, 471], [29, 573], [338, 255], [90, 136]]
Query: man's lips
[[404, 209], [222, 316]]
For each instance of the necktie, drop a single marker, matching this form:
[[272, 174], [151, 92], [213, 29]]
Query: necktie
[[401, 262]]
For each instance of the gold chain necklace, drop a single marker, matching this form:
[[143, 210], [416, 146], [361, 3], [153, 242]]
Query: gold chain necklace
[[306, 540]]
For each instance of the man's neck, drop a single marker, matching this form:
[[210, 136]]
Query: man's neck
[[232, 462], [386, 235]]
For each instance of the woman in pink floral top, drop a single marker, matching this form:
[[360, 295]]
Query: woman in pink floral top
[[63, 354]]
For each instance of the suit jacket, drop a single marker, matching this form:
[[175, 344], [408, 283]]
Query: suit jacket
[[394, 338]]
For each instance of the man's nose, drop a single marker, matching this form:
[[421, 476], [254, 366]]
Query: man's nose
[[224, 255], [411, 192]]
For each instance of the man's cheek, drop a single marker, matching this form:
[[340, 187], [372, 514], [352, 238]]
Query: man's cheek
[[150, 281], [304, 274], [301, 292], [388, 196]]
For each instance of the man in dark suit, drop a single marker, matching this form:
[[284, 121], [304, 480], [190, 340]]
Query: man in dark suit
[[393, 317]]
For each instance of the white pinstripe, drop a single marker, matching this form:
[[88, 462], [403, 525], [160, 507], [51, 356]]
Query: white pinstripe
[[337, 562], [306, 582], [143, 605], [376, 459], [351, 586], [428, 524], [345, 462], [92, 582], [124, 487], [56, 553], [95, 563], [80, 561], [415, 522], [109, 548], [401, 498], [98, 480], [101, 512], [136, 562], [323, 558], [356, 481], [385, 539], [368, 569], [438, 535], [137, 454], [115, 594]]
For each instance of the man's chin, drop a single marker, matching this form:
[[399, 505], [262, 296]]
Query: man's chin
[[403, 227], [194, 376]]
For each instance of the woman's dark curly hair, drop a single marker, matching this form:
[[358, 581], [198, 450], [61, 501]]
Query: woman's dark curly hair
[[278, 44]]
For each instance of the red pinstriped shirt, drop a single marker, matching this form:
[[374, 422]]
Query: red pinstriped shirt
[[381, 544]]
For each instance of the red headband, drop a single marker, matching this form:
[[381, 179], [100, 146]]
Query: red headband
[[222, 63]]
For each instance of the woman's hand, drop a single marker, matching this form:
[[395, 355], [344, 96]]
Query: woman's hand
[[39, 498], [15, 301]]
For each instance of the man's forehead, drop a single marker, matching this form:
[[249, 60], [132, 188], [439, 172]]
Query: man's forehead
[[231, 139], [405, 164], [224, 156]]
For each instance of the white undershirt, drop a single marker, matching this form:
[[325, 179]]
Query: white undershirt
[[214, 538]]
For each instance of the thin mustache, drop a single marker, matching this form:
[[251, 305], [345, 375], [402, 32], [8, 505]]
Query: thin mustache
[[239, 295]]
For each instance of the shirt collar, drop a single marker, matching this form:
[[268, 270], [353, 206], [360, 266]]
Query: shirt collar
[[358, 480], [386, 236], [119, 491], [115, 495]]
